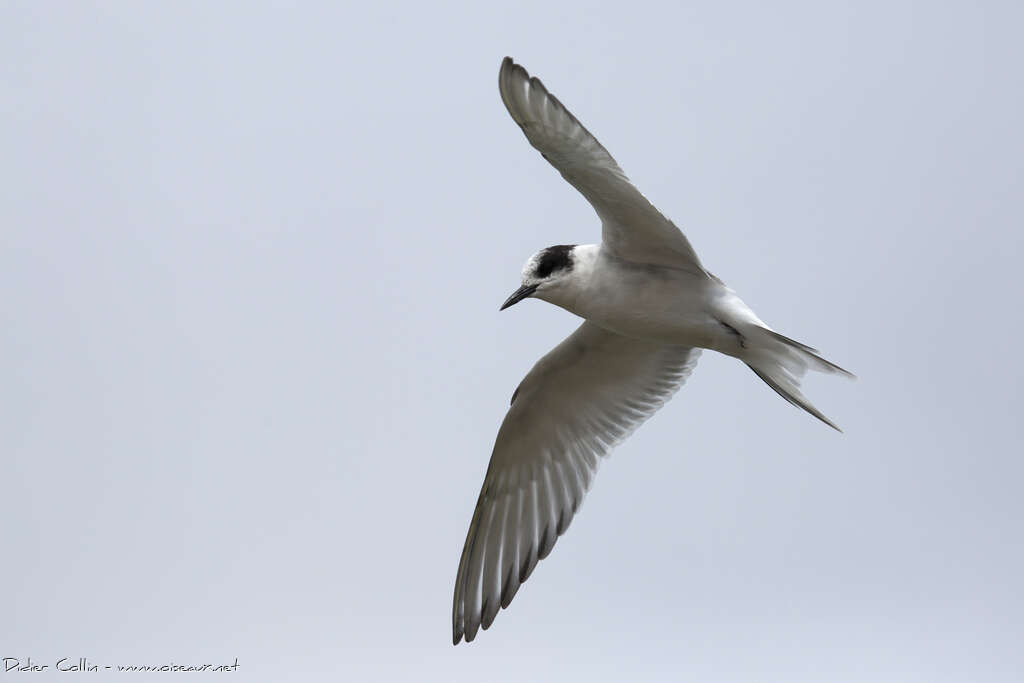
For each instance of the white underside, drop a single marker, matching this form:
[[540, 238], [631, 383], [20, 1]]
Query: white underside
[[655, 303]]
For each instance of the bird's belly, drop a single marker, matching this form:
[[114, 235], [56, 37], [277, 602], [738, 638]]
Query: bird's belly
[[696, 331], [658, 311]]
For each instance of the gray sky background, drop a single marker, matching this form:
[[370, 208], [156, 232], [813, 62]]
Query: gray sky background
[[252, 363]]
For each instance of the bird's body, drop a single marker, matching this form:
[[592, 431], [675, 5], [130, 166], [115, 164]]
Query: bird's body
[[652, 302], [649, 306]]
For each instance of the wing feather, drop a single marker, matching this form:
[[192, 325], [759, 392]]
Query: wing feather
[[632, 228], [581, 399]]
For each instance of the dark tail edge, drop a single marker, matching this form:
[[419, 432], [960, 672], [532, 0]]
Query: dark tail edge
[[798, 401]]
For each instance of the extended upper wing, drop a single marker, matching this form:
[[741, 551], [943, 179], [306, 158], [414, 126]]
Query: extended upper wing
[[579, 401], [632, 228]]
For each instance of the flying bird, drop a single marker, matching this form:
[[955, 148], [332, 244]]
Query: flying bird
[[649, 307]]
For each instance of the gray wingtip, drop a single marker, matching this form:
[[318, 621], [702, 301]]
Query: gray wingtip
[[508, 65]]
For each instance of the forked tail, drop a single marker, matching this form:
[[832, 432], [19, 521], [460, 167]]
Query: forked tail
[[782, 363]]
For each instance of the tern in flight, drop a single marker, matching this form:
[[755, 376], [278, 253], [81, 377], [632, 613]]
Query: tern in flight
[[648, 306]]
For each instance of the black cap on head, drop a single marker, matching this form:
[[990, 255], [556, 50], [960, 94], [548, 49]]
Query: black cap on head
[[554, 258]]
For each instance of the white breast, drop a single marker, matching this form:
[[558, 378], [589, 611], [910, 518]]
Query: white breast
[[650, 302]]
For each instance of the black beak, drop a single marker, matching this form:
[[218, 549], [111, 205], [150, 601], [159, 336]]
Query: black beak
[[518, 295]]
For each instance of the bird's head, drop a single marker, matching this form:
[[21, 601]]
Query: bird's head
[[550, 274]]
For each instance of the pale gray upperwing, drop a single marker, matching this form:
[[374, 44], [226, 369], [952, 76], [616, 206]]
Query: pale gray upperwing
[[579, 401], [632, 228]]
